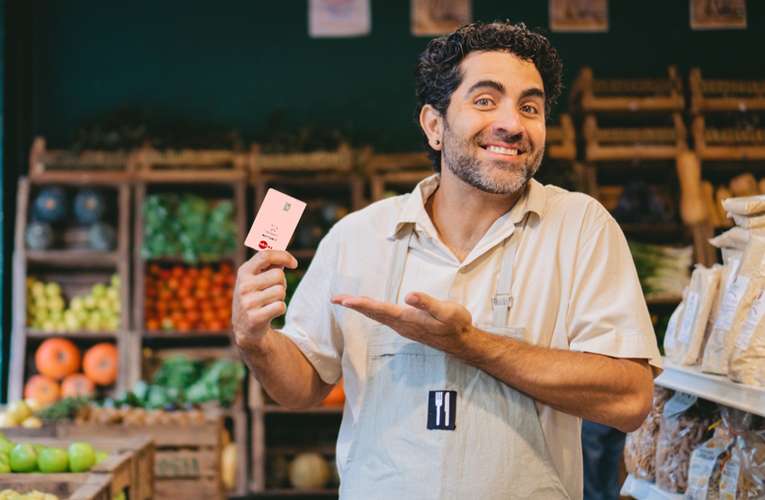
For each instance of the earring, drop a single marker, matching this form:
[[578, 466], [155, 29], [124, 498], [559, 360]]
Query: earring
[[438, 142]]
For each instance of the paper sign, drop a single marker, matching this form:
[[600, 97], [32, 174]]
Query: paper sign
[[276, 222], [689, 317], [732, 298], [679, 403]]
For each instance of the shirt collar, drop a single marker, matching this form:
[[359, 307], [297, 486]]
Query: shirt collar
[[533, 199]]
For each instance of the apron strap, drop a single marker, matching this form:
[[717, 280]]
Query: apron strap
[[502, 300], [397, 260]]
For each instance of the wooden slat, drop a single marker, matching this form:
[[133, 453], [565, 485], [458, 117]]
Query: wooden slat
[[619, 95], [725, 95], [181, 463], [74, 258], [62, 166], [209, 488]]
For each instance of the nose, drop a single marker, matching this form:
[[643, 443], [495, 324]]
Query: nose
[[509, 122]]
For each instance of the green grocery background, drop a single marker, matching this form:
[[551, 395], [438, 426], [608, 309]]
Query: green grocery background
[[230, 62]]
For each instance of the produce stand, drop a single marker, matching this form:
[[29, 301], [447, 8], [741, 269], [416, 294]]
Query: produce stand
[[74, 269], [129, 467], [66, 486]]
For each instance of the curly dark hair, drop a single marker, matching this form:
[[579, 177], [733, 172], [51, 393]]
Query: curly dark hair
[[439, 67]]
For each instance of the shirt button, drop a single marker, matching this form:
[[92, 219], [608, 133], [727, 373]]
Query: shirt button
[[463, 270]]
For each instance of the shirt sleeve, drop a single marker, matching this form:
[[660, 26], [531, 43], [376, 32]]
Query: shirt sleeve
[[310, 321], [608, 314]]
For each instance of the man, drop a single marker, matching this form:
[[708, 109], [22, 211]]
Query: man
[[476, 320]]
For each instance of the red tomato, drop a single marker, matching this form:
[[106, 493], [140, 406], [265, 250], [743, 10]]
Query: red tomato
[[173, 283], [193, 316], [224, 313], [215, 325], [189, 303], [225, 268], [217, 291], [206, 271], [204, 305], [154, 269], [152, 324], [165, 274], [151, 291], [230, 294], [201, 294], [230, 279], [178, 271], [187, 282], [218, 279], [177, 316], [209, 315], [183, 325], [192, 272], [203, 283], [222, 303], [182, 293]]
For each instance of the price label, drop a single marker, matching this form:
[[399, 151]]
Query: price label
[[733, 297], [679, 403], [692, 303], [752, 320], [669, 335]]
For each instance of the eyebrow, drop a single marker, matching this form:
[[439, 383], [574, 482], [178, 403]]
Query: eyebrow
[[491, 84]]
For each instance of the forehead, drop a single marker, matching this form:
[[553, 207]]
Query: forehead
[[514, 73]]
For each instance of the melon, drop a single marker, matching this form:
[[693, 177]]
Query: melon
[[103, 237], [89, 206], [38, 236], [308, 471], [50, 205]]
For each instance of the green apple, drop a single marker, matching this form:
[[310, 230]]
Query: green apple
[[98, 290], [5, 464], [52, 289], [82, 456], [23, 458], [93, 324], [116, 281], [89, 302], [38, 448], [113, 293], [38, 289], [53, 459], [76, 304], [101, 456], [56, 303], [6, 446], [113, 324]]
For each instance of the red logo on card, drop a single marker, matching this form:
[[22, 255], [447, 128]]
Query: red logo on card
[[263, 245]]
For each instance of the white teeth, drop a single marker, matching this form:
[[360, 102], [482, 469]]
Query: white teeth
[[502, 151]]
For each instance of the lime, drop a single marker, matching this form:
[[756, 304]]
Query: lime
[[23, 458], [82, 456], [53, 459]]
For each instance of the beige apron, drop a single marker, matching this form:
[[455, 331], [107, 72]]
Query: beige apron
[[489, 444]]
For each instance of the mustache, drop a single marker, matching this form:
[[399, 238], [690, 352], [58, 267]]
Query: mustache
[[518, 139]]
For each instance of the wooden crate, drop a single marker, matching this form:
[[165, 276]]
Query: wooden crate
[[129, 468], [625, 95], [190, 165], [76, 268], [401, 170], [647, 143], [560, 142], [727, 144], [84, 167], [187, 457], [725, 95], [66, 486], [260, 163]]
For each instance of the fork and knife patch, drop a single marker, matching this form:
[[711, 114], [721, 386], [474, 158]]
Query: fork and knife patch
[[442, 410]]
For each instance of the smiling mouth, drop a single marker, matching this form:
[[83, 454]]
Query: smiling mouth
[[503, 151]]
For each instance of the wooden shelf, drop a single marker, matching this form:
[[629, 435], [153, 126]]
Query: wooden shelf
[[296, 492], [35, 333], [185, 334], [73, 258], [646, 143], [274, 408], [178, 259], [725, 95]]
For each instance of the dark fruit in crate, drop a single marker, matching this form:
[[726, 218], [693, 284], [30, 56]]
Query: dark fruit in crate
[[103, 237], [50, 205], [38, 236], [89, 206]]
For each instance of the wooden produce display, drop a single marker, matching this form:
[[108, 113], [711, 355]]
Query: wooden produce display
[[633, 143], [725, 95], [68, 256], [396, 173], [727, 143], [560, 142], [625, 95], [129, 467], [84, 167]]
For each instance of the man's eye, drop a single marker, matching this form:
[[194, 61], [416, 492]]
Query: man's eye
[[529, 109], [484, 102]]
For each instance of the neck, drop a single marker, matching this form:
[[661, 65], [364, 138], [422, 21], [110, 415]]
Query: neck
[[462, 214]]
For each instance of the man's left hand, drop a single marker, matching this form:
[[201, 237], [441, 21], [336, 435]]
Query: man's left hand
[[435, 323]]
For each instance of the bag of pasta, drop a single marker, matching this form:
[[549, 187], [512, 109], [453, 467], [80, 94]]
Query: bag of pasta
[[743, 476], [683, 426], [698, 301], [707, 461], [739, 297], [640, 446]]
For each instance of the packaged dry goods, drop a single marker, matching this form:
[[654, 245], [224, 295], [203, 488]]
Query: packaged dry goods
[[745, 205], [706, 465], [747, 359], [743, 476], [739, 297], [671, 332], [692, 324], [640, 446], [748, 221], [735, 237], [731, 265], [684, 425]]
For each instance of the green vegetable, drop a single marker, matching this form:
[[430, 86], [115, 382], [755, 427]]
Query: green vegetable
[[64, 408]]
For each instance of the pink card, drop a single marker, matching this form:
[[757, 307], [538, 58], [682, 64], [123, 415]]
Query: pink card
[[276, 221]]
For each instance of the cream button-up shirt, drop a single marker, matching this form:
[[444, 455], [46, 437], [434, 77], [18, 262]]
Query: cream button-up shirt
[[575, 287]]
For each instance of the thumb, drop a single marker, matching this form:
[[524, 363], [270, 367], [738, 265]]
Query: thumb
[[424, 302]]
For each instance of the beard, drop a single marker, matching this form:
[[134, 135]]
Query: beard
[[490, 176]]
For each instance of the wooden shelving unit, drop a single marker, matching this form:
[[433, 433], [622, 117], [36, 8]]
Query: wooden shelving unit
[[75, 270], [725, 95]]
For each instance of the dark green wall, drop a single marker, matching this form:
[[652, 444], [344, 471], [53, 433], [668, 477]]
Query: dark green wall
[[229, 62]]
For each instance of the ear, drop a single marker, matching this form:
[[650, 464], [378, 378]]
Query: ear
[[431, 122]]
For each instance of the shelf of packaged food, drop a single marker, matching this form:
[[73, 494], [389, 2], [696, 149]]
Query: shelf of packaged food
[[36, 333], [76, 258], [717, 388], [645, 490], [274, 408]]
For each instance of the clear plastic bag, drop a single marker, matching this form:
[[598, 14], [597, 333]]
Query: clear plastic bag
[[640, 446], [708, 460], [743, 476], [745, 205], [680, 434], [698, 302]]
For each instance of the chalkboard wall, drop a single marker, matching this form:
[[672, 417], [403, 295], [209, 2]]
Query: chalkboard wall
[[229, 62]]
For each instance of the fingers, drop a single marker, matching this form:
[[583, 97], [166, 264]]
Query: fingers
[[265, 259]]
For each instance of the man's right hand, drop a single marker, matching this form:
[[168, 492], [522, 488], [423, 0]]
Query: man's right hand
[[259, 295]]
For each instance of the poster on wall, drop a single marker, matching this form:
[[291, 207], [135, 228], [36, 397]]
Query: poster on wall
[[439, 17], [579, 15], [339, 18], [718, 14]]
